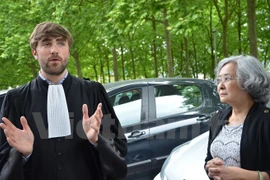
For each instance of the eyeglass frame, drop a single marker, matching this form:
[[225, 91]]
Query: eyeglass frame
[[225, 79]]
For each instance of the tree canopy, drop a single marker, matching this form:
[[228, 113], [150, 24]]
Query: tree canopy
[[127, 39]]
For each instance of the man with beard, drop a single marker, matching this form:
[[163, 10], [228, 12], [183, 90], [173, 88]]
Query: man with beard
[[58, 126]]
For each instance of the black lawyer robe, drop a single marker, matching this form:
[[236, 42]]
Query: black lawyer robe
[[65, 158]]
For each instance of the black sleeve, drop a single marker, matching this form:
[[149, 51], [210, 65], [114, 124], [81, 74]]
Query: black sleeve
[[10, 109], [264, 142], [112, 144], [208, 154], [11, 166]]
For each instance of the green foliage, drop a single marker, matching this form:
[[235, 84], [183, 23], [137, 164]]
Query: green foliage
[[192, 95], [135, 26]]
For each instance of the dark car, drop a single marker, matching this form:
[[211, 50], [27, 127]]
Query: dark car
[[159, 114]]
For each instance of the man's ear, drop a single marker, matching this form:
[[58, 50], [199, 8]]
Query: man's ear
[[34, 52]]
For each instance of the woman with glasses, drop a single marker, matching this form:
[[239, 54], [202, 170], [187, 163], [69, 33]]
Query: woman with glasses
[[239, 137]]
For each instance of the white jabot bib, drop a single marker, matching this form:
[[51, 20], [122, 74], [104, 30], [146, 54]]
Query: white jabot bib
[[57, 112]]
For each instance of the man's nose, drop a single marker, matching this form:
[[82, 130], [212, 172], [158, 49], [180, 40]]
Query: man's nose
[[54, 49]]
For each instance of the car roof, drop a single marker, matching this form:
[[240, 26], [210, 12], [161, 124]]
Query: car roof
[[2, 95], [118, 84], [3, 91]]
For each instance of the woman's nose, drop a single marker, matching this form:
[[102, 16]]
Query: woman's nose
[[221, 85]]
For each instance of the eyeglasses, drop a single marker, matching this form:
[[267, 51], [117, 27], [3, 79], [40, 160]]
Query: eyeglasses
[[225, 79]]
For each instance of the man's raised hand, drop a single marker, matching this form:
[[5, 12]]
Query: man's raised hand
[[91, 125], [20, 139]]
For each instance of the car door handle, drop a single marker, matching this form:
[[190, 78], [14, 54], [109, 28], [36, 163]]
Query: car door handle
[[136, 134], [203, 118]]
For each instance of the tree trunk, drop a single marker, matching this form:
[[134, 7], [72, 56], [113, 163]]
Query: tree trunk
[[155, 46], [224, 30], [251, 4], [168, 44], [265, 57], [181, 61], [224, 21], [195, 58], [133, 62], [123, 63], [239, 26], [213, 43], [186, 57], [224, 40], [96, 72], [102, 77], [108, 65], [115, 65], [78, 64]]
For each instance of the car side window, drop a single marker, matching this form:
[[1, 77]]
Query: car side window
[[174, 99], [127, 106]]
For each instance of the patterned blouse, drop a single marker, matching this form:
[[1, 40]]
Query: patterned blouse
[[226, 145]]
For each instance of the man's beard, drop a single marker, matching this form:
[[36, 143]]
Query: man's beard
[[54, 69]]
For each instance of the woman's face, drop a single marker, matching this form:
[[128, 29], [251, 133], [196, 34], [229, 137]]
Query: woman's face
[[227, 86]]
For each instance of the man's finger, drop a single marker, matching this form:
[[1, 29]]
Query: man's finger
[[10, 136], [95, 127], [11, 142], [100, 105], [24, 123], [97, 121], [99, 111], [3, 126], [85, 111], [8, 123]]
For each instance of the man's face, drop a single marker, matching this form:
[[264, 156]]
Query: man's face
[[52, 53]]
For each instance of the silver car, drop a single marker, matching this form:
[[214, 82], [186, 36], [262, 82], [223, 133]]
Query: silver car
[[186, 161]]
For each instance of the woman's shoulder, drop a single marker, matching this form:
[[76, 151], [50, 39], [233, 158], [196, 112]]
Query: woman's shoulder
[[222, 113], [262, 109], [260, 114]]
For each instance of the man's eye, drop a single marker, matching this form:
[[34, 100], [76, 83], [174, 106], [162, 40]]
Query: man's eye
[[62, 43]]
